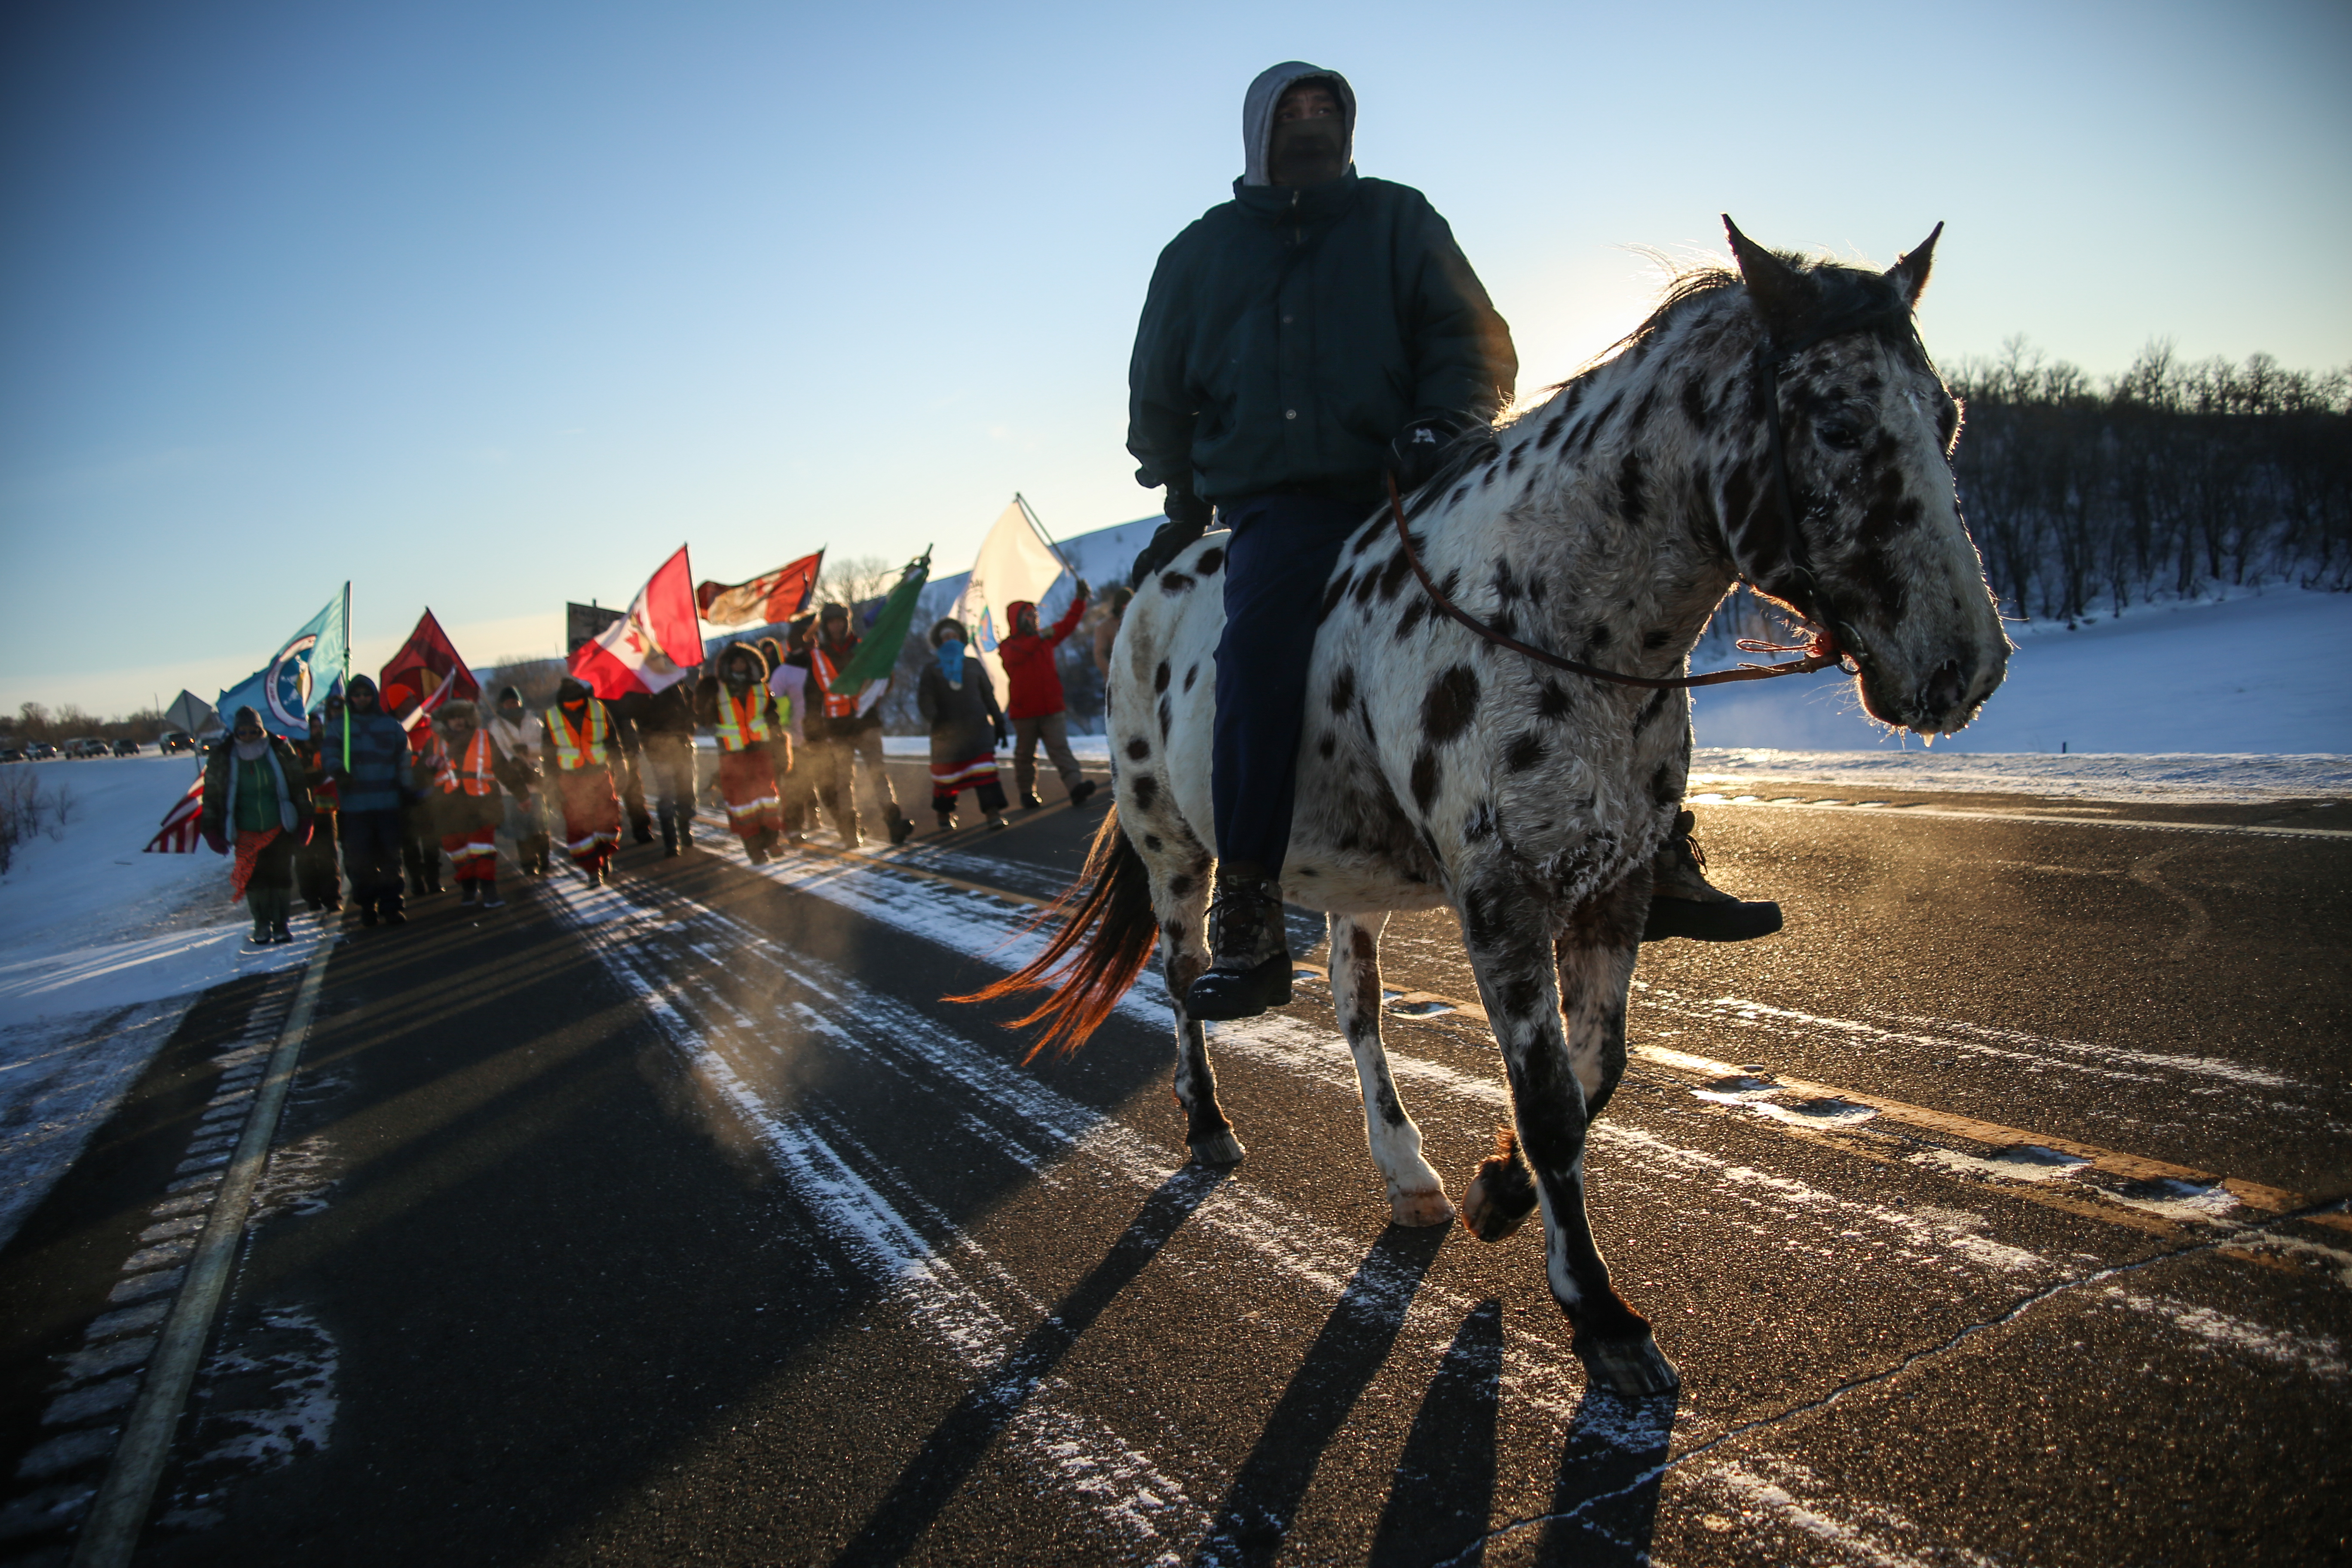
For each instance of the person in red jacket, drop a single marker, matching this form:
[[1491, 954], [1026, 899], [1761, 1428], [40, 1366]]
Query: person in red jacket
[[1037, 704]]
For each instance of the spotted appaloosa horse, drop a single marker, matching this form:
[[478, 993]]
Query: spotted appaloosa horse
[[1437, 769]]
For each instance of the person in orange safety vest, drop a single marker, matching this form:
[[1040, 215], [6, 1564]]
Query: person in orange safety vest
[[749, 726], [469, 775]]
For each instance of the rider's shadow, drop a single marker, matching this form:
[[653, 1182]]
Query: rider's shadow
[[957, 1444], [1353, 1346]]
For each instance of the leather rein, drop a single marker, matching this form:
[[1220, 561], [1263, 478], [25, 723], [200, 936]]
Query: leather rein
[[1821, 653]]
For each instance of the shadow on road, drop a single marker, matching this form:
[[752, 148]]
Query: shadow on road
[[1445, 1491], [935, 1473], [1605, 1505], [1356, 1340]]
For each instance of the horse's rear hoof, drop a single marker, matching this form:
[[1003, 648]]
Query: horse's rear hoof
[[1420, 1209], [1635, 1368], [1491, 1215], [1225, 1149]]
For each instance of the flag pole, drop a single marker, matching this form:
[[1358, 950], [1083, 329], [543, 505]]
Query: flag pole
[[1031, 513], [347, 675]]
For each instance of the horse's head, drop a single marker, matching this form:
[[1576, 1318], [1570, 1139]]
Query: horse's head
[[1877, 554]]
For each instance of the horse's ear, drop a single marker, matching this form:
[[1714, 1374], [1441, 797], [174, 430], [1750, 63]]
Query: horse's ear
[[1781, 293], [1909, 272]]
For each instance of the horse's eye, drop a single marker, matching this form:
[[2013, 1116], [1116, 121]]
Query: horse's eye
[[1839, 435]]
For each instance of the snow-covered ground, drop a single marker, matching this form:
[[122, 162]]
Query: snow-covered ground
[[2269, 673], [2244, 700], [102, 950]]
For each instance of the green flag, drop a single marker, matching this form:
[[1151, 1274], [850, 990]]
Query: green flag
[[869, 667]]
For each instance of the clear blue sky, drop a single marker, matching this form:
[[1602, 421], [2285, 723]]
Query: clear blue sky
[[487, 306]]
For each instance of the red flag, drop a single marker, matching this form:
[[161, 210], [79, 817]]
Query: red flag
[[426, 665], [652, 647], [777, 596], [178, 833]]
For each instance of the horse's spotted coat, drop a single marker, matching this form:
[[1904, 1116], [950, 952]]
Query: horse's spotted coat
[[1437, 769]]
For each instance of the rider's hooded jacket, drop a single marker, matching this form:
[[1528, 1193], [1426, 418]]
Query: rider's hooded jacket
[[1293, 331]]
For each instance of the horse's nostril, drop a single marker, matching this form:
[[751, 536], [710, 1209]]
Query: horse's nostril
[[1944, 689]]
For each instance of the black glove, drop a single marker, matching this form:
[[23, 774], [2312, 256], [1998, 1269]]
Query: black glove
[[1421, 448], [1188, 519], [1003, 736]]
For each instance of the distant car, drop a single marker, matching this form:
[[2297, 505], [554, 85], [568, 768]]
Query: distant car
[[12, 753], [177, 741], [87, 746], [41, 752], [126, 747]]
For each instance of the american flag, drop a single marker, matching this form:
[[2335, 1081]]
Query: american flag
[[178, 833]]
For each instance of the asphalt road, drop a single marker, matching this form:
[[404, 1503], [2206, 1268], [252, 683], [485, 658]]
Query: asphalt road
[[1985, 1212]]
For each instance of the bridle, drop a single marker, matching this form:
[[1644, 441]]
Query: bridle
[[1823, 649]]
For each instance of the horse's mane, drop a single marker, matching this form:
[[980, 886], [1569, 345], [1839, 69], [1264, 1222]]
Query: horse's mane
[[1839, 290]]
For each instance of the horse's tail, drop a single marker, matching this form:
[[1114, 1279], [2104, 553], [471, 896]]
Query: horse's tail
[[1106, 938]]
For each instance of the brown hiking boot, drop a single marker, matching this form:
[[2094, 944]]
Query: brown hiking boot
[[1682, 902], [1249, 969]]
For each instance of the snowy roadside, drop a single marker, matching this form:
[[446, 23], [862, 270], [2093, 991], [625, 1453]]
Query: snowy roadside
[[107, 948]]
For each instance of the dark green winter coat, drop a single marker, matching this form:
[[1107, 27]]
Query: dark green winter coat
[[1291, 332]]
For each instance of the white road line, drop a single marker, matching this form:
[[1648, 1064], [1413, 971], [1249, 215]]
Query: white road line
[[117, 1515], [1129, 1493]]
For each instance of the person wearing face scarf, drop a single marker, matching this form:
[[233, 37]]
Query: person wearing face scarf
[[958, 701], [1320, 328], [520, 739], [580, 747], [747, 725], [370, 763], [256, 803]]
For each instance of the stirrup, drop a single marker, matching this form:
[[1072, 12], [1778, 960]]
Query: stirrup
[[1222, 996]]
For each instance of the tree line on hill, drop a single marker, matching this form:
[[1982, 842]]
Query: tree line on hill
[[2171, 480], [2167, 481]]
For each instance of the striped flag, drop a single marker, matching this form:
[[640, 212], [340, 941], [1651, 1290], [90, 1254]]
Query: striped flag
[[178, 833]]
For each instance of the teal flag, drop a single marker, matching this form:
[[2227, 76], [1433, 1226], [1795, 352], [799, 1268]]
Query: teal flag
[[297, 679], [877, 651]]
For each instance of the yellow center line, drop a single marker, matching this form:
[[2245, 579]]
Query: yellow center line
[[2256, 1195]]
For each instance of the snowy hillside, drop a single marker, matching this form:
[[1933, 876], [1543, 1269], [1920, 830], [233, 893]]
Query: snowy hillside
[[2270, 672]]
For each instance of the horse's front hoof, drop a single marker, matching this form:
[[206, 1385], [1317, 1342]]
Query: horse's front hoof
[[1493, 1214], [1420, 1209], [1225, 1149], [1635, 1368]]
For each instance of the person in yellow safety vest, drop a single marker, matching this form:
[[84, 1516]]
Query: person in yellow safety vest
[[748, 725], [468, 803], [580, 745]]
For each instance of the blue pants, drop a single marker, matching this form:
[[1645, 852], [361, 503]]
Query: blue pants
[[1280, 559]]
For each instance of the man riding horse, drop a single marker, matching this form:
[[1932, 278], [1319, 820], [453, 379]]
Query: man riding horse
[[1298, 341]]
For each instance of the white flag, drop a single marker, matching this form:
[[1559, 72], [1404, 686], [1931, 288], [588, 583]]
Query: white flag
[[1013, 565]]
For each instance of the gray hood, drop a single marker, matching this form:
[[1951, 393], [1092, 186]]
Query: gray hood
[[1257, 115]]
